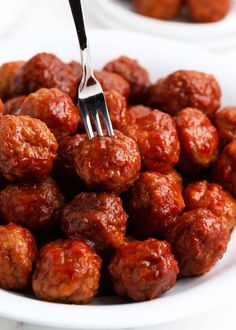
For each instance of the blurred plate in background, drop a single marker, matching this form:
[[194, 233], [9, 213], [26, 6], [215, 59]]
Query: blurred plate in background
[[120, 14]]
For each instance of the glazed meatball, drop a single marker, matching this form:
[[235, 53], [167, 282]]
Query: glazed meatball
[[183, 89], [198, 139], [157, 140], [199, 239], [35, 206], [44, 70], [134, 73], [55, 108], [175, 178], [143, 270], [112, 81], [136, 114], [77, 70], [160, 9], [27, 148], [203, 194], [208, 11], [63, 169], [14, 104], [17, 256], [224, 170], [7, 73], [225, 121], [96, 217], [2, 107], [67, 271], [153, 204], [107, 163], [116, 104]]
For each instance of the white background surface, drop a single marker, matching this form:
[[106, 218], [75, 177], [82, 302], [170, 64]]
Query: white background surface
[[27, 18]]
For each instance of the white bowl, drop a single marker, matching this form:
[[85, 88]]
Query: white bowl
[[189, 296], [119, 14]]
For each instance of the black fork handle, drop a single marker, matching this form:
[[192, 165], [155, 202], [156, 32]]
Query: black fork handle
[[77, 12]]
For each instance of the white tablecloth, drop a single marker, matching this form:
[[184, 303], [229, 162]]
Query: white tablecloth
[[27, 18]]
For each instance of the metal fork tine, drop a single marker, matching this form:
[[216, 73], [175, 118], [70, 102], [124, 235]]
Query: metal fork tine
[[86, 121], [97, 123], [106, 116]]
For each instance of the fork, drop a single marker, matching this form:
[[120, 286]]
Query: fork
[[90, 95]]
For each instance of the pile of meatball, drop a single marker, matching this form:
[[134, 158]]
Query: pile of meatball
[[198, 11], [128, 214]]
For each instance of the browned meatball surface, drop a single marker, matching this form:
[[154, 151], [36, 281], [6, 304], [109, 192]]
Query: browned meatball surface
[[55, 108], [112, 81], [143, 270], [7, 72], [67, 271], [77, 70], [160, 9], [137, 113], [198, 139], [35, 206], [108, 164], [44, 70], [117, 108], [153, 204], [96, 217], [207, 11], [225, 121], [17, 256], [2, 107], [157, 140], [27, 148], [203, 194], [134, 73], [63, 170], [199, 239], [14, 104], [175, 178], [224, 170], [183, 89]]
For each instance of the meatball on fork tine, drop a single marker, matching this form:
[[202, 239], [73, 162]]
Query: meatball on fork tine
[[91, 95]]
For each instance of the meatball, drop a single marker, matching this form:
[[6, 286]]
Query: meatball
[[183, 89], [225, 121], [35, 206], [2, 107], [7, 73], [144, 270], [55, 108], [175, 178], [67, 271], [107, 163], [112, 81], [199, 239], [17, 256], [137, 113], [116, 104], [134, 73], [44, 70], [63, 169], [203, 194], [224, 170], [160, 9], [157, 139], [198, 139], [77, 70], [96, 217], [153, 203], [14, 104], [27, 148], [208, 11]]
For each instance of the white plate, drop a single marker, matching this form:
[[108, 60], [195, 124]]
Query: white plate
[[189, 296], [120, 14]]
